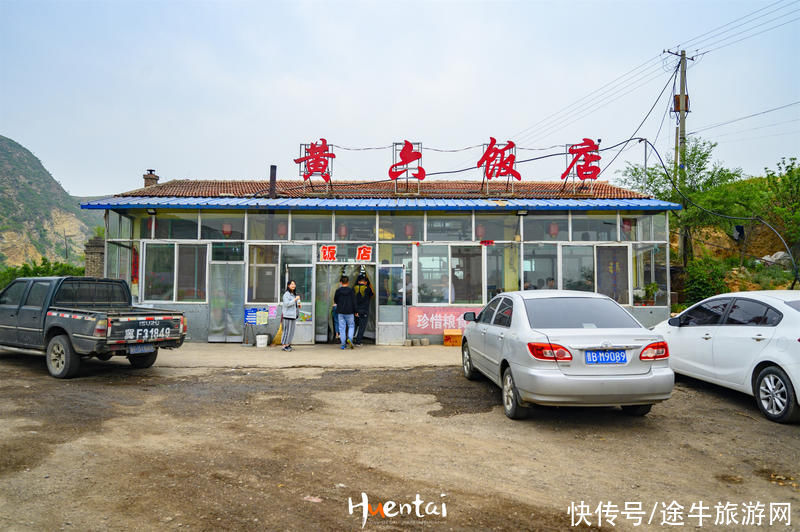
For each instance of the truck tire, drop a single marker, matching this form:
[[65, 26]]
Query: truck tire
[[143, 361], [62, 361]]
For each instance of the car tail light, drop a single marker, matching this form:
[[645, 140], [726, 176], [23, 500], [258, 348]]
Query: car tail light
[[184, 324], [655, 351], [101, 328], [549, 352]]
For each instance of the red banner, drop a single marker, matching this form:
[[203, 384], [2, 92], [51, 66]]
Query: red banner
[[434, 320]]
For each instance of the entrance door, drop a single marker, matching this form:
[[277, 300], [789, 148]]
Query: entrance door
[[327, 281], [391, 324], [612, 273], [226, 305], [303, 276]]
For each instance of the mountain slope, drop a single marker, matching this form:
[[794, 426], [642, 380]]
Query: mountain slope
[[37, 216]]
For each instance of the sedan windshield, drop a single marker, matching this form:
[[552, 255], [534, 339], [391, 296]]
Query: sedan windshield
[[577, 313]]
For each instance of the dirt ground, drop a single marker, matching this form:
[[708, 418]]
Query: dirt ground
[[289, 449]]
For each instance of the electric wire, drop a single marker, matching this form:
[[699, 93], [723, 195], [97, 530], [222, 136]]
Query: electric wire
[[753, 35], [658, 98], [725, 123], [740, 131]]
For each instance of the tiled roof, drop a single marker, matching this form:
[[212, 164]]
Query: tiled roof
[[429, 188]]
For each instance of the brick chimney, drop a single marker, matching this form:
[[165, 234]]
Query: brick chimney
[[150, 178]]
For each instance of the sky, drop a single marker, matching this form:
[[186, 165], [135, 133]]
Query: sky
[[100, 91]]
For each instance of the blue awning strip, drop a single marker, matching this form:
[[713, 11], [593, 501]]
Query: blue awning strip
[[380, 204]]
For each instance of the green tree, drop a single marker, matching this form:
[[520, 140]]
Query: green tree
[[784, 205], [699, 175]]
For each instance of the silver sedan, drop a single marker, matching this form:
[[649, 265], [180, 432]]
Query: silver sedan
[[566, 348]]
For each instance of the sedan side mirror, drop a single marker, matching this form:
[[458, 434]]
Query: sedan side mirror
[[469, 316], [674, 322]]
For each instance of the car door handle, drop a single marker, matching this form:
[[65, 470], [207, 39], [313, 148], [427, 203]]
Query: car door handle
[[706, 336], [501, 336], [758, 337]]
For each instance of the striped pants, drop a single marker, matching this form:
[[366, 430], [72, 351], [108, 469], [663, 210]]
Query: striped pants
[[288, 332]]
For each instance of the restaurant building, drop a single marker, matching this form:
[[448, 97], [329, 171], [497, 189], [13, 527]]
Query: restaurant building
[[222, 251]]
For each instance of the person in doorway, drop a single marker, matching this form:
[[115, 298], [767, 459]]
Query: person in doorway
[[345, 301], [551, 283], [290, 310], [364, 295]]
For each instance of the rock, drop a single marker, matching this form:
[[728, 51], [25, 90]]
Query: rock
[[415, 342]]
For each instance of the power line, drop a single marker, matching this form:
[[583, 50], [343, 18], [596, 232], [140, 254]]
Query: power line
[[660, 94], [753, 35], [712, 126], [740, 131], [785, 133]]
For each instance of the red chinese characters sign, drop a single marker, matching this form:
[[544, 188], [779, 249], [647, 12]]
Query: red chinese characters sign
[[586, 150], [407, 156], [364, 253], [434, 320], [327, 253], [316, 160], [499, 162]]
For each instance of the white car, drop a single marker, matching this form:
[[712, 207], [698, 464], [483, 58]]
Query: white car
[[746, 341]]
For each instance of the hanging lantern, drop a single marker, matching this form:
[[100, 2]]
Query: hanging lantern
[[409, 230], [283, 229], [553, 230], [480, 231], [342, 231], [227, 229]]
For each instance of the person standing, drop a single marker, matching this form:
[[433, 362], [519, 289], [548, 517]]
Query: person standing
[[364, 295], [290, 309], [345, 301]]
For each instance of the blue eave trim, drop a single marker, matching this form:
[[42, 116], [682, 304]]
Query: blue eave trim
[[382, 204]]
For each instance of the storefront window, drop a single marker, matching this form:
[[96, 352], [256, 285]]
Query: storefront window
[[143, 226], [578, 268], [642, 226], [540, 266], [159, 271], [191, 272], [227, 251], [293, 254], [434, 279], [467, 274], [548, 226], [594, 226], [262, 279], [497, 227], [355, 226], [650, 274], [311, 226], [398, 254], [118, 260], [222, 226], [394, 226], [612, 273], [449, 227], [119, 226], [502, 269], [181, 225], [268, 225]]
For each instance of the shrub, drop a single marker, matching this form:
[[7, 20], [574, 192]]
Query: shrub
[[704, 278], [44, 269]]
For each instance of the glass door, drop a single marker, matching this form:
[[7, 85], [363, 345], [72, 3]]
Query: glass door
[[226, 304], [612, 273], [391, 326], [303, 276]]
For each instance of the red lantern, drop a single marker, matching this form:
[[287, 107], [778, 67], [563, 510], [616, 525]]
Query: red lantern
[[227, 229], [553, 230], [480, 231], [283, 229], [409, 230], [342, 231]]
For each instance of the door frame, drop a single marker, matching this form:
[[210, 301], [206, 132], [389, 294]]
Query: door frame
[[312, 300]]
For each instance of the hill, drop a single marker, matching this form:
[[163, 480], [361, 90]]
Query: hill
[[38, 218]]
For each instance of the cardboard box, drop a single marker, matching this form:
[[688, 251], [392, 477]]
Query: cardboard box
[[452, 337]]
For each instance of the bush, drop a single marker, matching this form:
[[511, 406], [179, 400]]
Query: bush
[[44, 269], [704, 278]]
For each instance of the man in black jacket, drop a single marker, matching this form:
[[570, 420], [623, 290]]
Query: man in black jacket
[[364, 295], [345, 302]]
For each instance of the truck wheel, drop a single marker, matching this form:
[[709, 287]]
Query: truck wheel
[[62, 361], [143, 361]]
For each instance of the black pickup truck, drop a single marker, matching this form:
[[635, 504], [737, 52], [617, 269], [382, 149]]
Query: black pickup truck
[[70, 318]]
